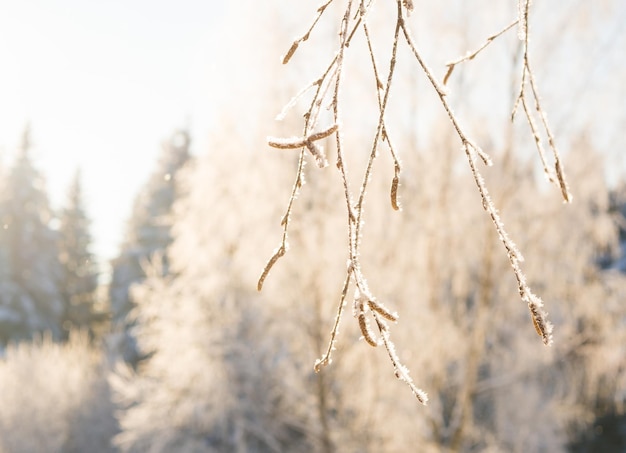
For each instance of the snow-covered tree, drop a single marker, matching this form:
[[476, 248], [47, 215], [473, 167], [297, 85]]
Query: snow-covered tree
[[213, 380], [80, 278], [55, 397], [33, 301], [148, 231]]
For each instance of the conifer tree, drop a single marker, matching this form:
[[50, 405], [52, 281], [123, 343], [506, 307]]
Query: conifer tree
[[79, 278], [148, 231], [9, 316], [31, 268]]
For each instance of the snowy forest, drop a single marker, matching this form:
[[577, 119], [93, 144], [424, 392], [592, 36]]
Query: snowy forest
[[171, 347]]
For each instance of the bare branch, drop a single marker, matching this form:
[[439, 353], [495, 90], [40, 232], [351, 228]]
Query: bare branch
[[304, 37], [472, 55], [328, 87], [529, 79]]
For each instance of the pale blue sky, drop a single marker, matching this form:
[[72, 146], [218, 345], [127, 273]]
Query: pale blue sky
[[102, 83]]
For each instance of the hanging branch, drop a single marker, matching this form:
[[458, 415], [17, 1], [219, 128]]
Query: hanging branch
[[365, 305], [304, 37], [472, 55], [528, 79]]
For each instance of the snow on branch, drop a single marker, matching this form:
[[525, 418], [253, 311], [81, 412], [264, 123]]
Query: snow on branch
[[327, 87]]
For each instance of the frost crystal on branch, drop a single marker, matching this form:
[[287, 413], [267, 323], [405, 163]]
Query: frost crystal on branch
[[309, 142], [327, 87]]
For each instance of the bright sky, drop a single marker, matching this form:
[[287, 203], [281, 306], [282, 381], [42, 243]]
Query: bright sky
[[102, 84]]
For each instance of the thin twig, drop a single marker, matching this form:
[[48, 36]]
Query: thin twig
[[379, 130], [326, 95], [400, 370], [557, 159], [514, 255], [385, 134], [471, 56], [441, 93], [296, 43], [326, 359], [528, 78]]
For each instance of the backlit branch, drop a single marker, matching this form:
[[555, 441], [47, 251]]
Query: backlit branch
[[528, 79], [366, 306], [472, 55]]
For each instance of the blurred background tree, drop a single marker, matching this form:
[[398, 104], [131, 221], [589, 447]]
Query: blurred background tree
[[33, 301], [148, 233], [80, 276]]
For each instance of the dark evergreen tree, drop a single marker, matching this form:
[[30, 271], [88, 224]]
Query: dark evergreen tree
[[79, 277], [148, 232], [31, 300], [9, 316]]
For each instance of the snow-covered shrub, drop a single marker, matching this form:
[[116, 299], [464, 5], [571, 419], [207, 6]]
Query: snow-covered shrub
[[54, 397]]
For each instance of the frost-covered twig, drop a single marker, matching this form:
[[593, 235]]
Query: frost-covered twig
[[307, 142], [328, 85], [472, 55], [528, 79]]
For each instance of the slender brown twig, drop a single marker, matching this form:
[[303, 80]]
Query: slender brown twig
[[304, 37], [557, 176], [327, 89], [472, 55], [515, 257]]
